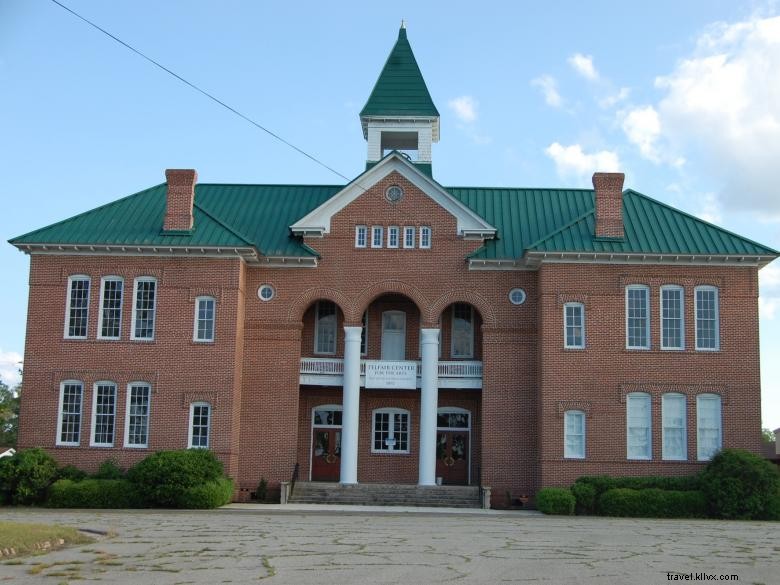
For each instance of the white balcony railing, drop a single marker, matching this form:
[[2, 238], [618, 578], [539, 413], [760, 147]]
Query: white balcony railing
[[330, 371]]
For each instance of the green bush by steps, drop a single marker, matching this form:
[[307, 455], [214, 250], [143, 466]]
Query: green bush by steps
[[558, 501], [212, 494]]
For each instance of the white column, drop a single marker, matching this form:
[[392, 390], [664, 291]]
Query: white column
[[351, 405], [429, 402]]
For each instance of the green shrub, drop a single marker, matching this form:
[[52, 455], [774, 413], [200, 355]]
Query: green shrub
[[212, 494], [741, 485], [690, 504], [262, 490], [652, 503], [558, 501], [25, 477], [94, 493], [71, 472], [585, 496], [109, 469], [589, 489], [164, 476]]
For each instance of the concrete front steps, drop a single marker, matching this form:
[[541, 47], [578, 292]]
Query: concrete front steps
[[378, 494]]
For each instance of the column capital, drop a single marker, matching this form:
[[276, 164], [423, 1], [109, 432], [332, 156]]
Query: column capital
[[352, 333], [429, 335]]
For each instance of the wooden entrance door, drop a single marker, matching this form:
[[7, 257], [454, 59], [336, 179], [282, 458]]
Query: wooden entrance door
[[326, 454], [452, 457]]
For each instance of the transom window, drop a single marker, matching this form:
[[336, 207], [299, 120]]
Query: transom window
[[200, 419], [462, 330], [707, 319], [425, 237], [111, 291], [391, 431], [672, 318], [325, 328], [392, 236], [361, 235], [77, 313], [673, 415], [574, 325], [709, 433], [69, 420], [453, 418], [144, 308], [574, 434], [137, 418], [638, 417], [376, 236], [409, 237], [204, 319], [637, 317], [103, 414], [327, 416]]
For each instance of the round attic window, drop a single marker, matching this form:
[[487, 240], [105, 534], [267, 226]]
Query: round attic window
[[517, 296], [394, 193], [266, 292]]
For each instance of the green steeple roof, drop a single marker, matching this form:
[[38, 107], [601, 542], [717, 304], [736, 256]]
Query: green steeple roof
[[400, 89]]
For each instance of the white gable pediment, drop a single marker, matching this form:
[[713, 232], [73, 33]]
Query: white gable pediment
[[317, 222]]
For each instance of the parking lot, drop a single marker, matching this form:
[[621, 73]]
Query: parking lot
[[268, 545]]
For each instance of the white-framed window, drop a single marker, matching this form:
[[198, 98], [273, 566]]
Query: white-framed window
[[393, 233], [361, 235], [409, 236], [574, 434], [462, 342], [266, 292], [69, 417], [638, 421], [707, 309], [77, 310], [574, 325], [637, 316], [425, 237], [200, 423], [674, 427], [376, 236], [139, 396], [364, 334], [144, 307], [103, 414], [205, 309], [110, 318], [391, 431], [672, 317], [709, 430], [517, 296], [325, 328]]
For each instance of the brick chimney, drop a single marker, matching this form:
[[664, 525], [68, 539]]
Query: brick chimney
[[609, 204], [179, 200]]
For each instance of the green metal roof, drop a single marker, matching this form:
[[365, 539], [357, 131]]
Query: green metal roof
[[400, 89]]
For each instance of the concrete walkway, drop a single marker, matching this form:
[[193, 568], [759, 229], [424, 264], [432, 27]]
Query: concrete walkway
[[311, 545]]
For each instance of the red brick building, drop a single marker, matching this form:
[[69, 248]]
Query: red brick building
[[392, 329]]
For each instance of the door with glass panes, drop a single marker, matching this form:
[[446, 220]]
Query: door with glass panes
[[453, 446], [326, 443]]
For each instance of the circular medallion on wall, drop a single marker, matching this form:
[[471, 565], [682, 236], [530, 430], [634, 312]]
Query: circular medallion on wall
[[394, 193], [266, 292], [517, 296]]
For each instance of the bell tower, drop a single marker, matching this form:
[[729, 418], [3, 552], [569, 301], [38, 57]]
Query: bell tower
[[400, 114]]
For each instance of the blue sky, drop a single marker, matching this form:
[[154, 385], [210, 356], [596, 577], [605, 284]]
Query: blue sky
[[682, 96]]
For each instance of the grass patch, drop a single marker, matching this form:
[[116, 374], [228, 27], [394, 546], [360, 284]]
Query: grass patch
[[30, 538]]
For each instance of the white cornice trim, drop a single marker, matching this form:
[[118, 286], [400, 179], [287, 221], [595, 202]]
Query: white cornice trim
[[247, 253], [317, 222]]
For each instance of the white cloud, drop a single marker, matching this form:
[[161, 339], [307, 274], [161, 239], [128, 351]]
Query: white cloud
[[643, 128], [465, 108], [722, 102], [572, 162], [769, 291], [583, 64], [10, 362], [615, 98], [549, 89]]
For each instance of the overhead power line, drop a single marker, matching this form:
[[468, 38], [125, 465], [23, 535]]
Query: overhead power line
[[201, 91]]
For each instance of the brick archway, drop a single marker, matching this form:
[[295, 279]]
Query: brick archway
[[462, 296], [368, 295], [299, 306]]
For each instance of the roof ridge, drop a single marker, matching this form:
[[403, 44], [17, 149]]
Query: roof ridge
[[522, 188], [698, 219], [269, 185], [84, 213], [561, 229]]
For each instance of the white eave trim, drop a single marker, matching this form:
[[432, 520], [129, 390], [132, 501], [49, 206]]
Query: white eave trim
[[532, 260], [317, 222], [248, 254], [289, 261]]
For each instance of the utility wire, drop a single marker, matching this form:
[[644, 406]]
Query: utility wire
[[202, 91]]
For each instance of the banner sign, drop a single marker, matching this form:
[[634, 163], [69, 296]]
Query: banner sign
[[384, 374]]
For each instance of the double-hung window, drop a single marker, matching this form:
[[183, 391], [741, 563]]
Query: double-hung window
[[144, 306], [637, 317], [574, 325], [707, 318], [638, 420], [709, 433], [409, 237], [376, 236], [325, 328], [391, 431], [205, 308], [393, 233], [672, 318], [574, 434], [69, 419], [425, 237], [103, 414], [674, 431], [77, 311], [200, 423], [361, 235], [110, 320], [137, 414], [462, 345]]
